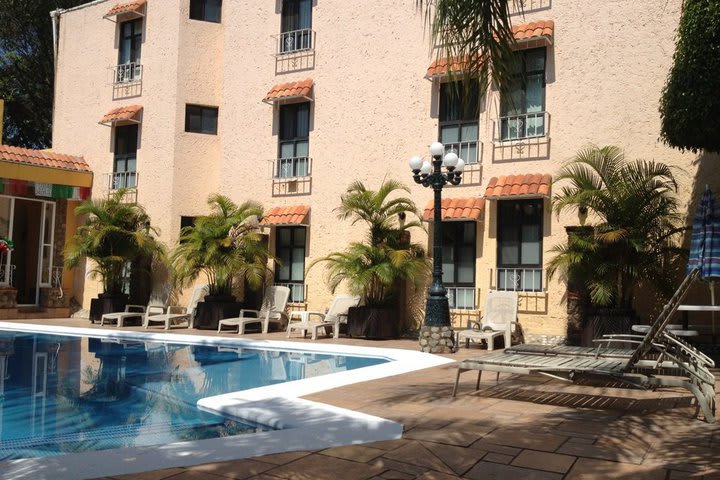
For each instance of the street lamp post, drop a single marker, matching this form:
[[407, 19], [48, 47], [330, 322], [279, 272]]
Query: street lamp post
[[436, 334]]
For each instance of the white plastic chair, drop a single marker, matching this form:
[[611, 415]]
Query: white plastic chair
[[336, 314], [499, 319], [272, 310], [157, 303], [175, 314]]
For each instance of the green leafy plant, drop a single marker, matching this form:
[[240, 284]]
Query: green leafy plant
[[636, 234], [114, 234], [222, 246], [373, 268]]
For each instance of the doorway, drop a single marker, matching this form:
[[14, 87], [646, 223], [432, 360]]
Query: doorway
[[27, 217]]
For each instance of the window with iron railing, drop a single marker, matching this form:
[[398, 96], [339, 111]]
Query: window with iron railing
[[296, 26], [293, 142], [519, 233], [125, 159], [522, 106], [290, 245], [459, 116], [458, 255], [129, 47]]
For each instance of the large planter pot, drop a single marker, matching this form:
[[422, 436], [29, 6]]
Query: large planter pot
[[373, 323], [604, 321], [106, 303], [212, 310]]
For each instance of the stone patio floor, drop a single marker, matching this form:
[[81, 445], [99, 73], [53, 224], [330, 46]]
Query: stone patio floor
[[520, 428]]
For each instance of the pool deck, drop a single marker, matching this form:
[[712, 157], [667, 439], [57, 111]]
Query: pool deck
[[520, 428]]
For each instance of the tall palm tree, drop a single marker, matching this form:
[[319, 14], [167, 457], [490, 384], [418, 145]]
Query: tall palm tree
[[635, 238], [114, 233], [372, 269], [477, 31], [216, 248]]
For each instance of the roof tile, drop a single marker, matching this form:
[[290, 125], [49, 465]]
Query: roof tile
[[290, 215], [456, 209], [42, 158], [119, 114], [128, 7], [444, 66], [534, 30], [283, 91], [527, 185]]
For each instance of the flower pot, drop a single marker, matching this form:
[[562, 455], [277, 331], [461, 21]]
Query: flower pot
[[107, 303], [209, 313], [373, 323], [604, 321]]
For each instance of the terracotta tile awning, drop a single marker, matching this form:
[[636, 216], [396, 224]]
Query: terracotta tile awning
[[532, 185], [128, 113], [136, 8], [290, 91], [442, 67], [456, 209], [292, 215], [42, 158], [540, 32]]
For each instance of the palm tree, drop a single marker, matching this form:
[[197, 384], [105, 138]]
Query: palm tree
[[636, 235], [373, 268], [114, 234], [217, 247], [477, 31]]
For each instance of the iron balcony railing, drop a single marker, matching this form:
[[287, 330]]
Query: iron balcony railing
[[462, 298], [298, 291], [126, 73], [6, 272], [295, 41], [524, 126], [468, 151], [519, 279], [293, 167], [119, 180], [526, 6]]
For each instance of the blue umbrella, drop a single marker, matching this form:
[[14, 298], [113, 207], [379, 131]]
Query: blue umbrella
[[705, 243]]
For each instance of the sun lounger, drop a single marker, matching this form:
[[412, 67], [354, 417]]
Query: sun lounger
[[315, 321], [177, 314], [158, 300], [272, 311]]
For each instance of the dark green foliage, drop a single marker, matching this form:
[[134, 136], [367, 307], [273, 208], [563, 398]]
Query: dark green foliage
[[27, 69], [690, 104]]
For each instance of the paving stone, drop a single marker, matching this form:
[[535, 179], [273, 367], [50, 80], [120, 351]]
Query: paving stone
[[498, 458], [546, 442], [437, 476], [195, 475], [551, 462], [395, 475], [357, 453], [592, 469], [390, 464], [322, 467], [491, 447], [283, 458], [496, 471], [459, 459], [451, 435], [153, 475], [617, 454], [239, 469], [582, 440], [417, 454]]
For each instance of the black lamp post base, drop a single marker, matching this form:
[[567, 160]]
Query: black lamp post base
[[437, 339]]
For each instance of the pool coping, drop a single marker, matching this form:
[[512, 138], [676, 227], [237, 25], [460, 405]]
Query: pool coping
[[305, 425]]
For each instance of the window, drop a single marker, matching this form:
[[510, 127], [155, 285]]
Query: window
[[520, 245], [459, 116], [458, 265], [199, 119], [522, 107], [206, 10], [129, 68], [293, 145], [186, 222], [290, 265], [296, 26], [125, 159]]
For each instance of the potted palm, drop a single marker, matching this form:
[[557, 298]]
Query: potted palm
[[375, 268], [223, 247], [634, 239], [115, 234]]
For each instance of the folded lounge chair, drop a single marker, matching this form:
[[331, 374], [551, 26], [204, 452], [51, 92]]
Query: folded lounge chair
[[657, 352], [272, 310], [157, 303], [336, 313], [498, 320], [176, 314]]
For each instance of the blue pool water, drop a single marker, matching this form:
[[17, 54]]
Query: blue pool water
[[64, 394]]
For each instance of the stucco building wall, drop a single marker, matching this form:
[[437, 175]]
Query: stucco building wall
[[373, 109]]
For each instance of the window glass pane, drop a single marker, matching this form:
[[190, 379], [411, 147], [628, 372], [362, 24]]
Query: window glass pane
[[301, 149], [283, 236], [535, 94], [298, 264], [469, 153], [299, 237], [535, 60], [469, 132], [303, 120], [212, 10], [4, 217], [450, 134], [305, 14], [512, 103], [448, 265], [468, 232], [130, 164], [49, 223], [466, 264], [209, 120]]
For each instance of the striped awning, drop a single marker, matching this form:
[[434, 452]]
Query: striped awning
[[456, 209], [133, 9], [531, 185], [290, 215], [130, 113], [290, 91]]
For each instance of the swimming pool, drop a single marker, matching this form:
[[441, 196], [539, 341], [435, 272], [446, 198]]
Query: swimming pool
[[286, 422]]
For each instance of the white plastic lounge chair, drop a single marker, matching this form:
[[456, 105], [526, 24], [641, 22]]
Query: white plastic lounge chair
[[157, 303], [336, 314], [176, 314], [498, 320], [658, 353], [272, 310]]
